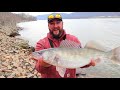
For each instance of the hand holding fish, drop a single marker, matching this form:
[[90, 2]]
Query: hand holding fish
[[71, 55], [92, 63], [95, 61]]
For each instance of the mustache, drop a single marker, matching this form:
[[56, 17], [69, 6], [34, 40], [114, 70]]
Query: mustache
[[56, 29]]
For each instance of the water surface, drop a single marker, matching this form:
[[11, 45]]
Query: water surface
[[105, 31]]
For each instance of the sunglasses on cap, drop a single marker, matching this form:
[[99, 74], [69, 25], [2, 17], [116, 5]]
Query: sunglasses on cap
[[52, 16], [56, 16]]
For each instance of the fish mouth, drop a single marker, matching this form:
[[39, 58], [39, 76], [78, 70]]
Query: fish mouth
[[36, 56]]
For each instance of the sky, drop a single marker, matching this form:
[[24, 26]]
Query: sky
[[39, 13]]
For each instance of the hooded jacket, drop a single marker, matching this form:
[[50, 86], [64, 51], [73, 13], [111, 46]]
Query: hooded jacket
[[50, 72]]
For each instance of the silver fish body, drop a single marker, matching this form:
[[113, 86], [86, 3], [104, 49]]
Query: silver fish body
[[70, 57]]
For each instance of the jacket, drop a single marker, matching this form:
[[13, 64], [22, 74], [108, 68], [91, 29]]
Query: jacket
[[50, 72]]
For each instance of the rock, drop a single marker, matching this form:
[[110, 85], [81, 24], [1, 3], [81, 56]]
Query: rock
[[32, 49], [15, 60], [9, 67], [24, 45], [2, 76], [13, 34]]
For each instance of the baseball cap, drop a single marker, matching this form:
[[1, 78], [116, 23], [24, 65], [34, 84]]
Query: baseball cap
[[54, 16]]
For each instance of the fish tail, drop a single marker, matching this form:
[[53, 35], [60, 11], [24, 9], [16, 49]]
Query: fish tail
[[115, 55]]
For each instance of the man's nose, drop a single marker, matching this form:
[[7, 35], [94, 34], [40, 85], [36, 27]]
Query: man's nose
[[55, 25]]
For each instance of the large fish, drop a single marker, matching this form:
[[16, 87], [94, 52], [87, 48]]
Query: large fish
[[71, 55]]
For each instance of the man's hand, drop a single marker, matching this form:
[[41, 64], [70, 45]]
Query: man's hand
[[92, 63]]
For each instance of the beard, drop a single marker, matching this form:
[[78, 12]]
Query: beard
[[58, 35]]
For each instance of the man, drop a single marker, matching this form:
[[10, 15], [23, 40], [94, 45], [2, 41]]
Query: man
[[54, 37]]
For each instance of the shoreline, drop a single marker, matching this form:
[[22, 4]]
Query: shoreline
[[15, 56], [31, 47]]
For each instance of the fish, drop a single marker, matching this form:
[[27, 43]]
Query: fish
[[71, 55]]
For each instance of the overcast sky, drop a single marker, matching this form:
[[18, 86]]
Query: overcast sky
[[38, 13]]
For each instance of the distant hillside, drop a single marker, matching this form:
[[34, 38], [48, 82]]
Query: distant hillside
[[77, 15], [7, 18]]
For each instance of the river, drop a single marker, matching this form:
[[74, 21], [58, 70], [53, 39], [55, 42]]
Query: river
[[105, 31]]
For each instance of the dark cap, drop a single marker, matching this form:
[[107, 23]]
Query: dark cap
[[54, 16]]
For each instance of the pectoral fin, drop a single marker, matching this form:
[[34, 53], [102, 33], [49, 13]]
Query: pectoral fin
[[61, 71]]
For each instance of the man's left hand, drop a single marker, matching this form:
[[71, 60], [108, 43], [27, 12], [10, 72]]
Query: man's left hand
[[92, 63]]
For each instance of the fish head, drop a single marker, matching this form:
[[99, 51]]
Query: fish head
[[37, 54], [46, 55]]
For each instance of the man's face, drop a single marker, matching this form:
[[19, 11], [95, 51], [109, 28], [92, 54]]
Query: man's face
[[56, 28]]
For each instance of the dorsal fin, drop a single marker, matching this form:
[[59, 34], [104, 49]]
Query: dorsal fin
[[69, 44], [96, 45]]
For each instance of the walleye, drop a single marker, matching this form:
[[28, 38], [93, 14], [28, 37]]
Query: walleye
[[71, 55]]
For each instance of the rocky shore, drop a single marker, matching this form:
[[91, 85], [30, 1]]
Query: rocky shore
[[15, 59]]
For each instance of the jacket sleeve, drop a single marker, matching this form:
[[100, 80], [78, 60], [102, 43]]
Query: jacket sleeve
[[39, 46], [41, 69]]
